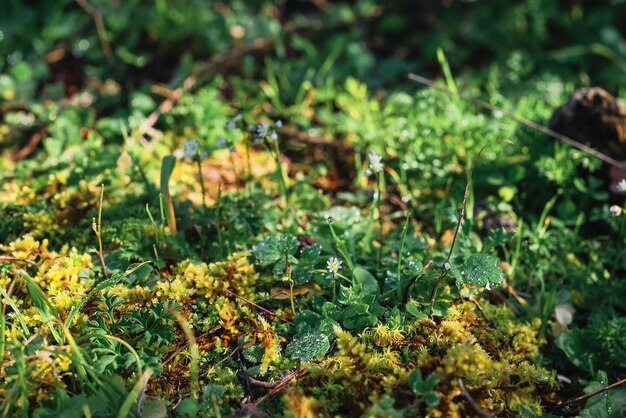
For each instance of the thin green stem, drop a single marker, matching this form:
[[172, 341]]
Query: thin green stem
[[400, 256], [620, 244], [281, 176], [199, 163], [288, 274], [380, 219], [218, 219], [248, 165], [97, 229]]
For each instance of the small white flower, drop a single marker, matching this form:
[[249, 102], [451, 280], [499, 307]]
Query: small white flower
[[615, 210], [488, 286], [279, 124], [333, 265], [621, 186], [447, 266], [376, 164], [179, 154]]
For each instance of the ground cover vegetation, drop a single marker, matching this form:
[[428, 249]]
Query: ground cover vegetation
[[246, 208]]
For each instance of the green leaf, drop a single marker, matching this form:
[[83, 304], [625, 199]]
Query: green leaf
[[432, 398], [43, 305], [413, 308], [368, 283], [307, 346], [420, 386], [341, 246], [480, 269], [156, 408], [610, 404], [271, 252]]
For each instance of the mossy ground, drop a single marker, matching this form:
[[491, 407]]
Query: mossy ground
[[176, 177]]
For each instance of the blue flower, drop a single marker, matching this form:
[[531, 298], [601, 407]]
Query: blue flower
[[190, 149]]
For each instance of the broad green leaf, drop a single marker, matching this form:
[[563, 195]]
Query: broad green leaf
[[307, 346], [272, 248], [368, 283], [481, 270]]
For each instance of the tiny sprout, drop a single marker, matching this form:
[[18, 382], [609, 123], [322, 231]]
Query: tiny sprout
[[615, 210], [333, 265], [621, 186]]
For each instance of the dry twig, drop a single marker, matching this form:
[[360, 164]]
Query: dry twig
[[590, 395], [472, 401], [282, 384], [259, 307], [96, 15], [433, 295]]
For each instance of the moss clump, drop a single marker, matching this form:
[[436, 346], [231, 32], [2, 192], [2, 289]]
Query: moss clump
[[499, 369]]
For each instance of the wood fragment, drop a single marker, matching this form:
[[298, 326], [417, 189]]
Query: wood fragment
[[468, 397]]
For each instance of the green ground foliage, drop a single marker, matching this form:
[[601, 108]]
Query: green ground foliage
[[245, 208]]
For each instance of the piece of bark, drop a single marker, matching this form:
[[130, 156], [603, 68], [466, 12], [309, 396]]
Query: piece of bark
[[595, 117]]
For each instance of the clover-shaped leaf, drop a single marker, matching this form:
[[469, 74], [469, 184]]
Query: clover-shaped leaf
[[308, 346], [480, 269]]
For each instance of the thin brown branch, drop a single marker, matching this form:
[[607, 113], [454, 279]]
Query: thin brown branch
[[19, 260], [592, 394], [259, 307], [489, 321], [433, 295], [282, 384], [19, 154], [468, 397], [407, 289], [184, 346], [563, 138], [96, 15], [214, 65]]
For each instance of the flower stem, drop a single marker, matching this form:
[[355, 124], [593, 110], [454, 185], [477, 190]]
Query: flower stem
[[199, 163], [218, 219], [281, 175], [97, 228], [400, 255], [380, 218]]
